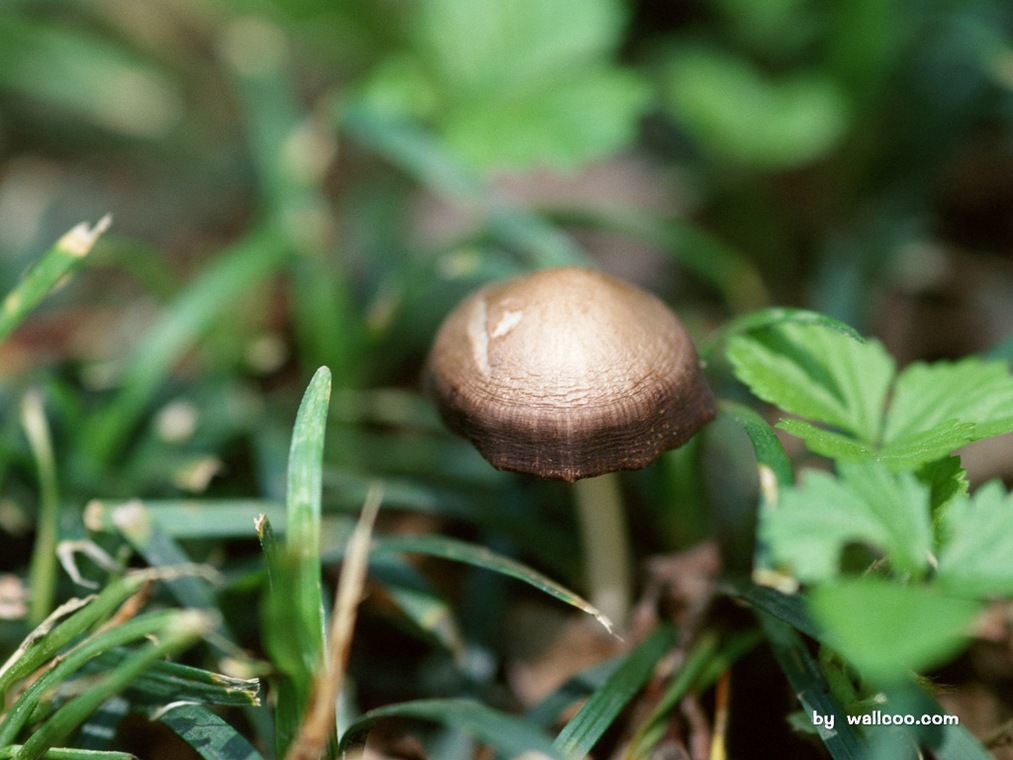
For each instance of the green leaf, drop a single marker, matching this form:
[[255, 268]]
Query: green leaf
[[817, 373], [507, 734], [975, 559], [932, 397], [887, 630], [828, 443], [826, 378], [867, 504], [586, 727], [740, 114], [508, 86]]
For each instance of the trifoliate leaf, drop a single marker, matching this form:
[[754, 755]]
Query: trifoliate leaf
[[829, 378], [976, 558], [888, 630], [867, 504], [820, 374]]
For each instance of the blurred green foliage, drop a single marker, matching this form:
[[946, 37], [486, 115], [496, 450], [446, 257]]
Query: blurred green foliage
[[306, 183]]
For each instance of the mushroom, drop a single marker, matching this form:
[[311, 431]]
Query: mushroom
[[569, 373]]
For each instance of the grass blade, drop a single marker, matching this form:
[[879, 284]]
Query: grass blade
[[81, 615], [183, 628], [586, 727], [46, 274], [317, 729], [293, 612], [211, 736], [804, 675], [480, 556], [61, 753], [43, 568], [182, 519], [505, 733], [302, 540]]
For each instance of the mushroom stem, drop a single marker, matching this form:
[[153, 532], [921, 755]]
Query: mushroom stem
[[606, 546]]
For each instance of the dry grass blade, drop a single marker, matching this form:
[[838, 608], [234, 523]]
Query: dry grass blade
[[318, 725]]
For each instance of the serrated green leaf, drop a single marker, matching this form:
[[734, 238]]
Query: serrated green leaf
[[817, 373], [867, 504], [827, 442], [942, 406], [975, 559], [928, 395], [887, 630]]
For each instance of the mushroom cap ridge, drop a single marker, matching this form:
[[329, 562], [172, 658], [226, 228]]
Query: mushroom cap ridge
[[567, 373]]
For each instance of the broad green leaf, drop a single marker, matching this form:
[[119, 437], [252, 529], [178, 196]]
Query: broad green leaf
[[510, 735], [828, 443], [823, 377], [931, 397], [817, 373], [867, 504], [887, 630], [976, 558]]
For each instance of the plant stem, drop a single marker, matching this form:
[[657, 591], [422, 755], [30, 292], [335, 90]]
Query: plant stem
[[606, 546]]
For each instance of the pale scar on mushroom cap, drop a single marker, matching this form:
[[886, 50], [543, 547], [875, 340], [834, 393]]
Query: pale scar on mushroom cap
[[569, 369]]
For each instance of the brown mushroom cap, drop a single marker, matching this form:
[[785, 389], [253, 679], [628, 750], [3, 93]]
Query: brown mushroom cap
[[567, 373]]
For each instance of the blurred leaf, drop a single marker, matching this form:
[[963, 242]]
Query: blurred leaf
[[977, 543], [415, 151], [47, 272], [867, 504], [505, 733], [734, 111], [887, 630], [511, 84], [83, 73]]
